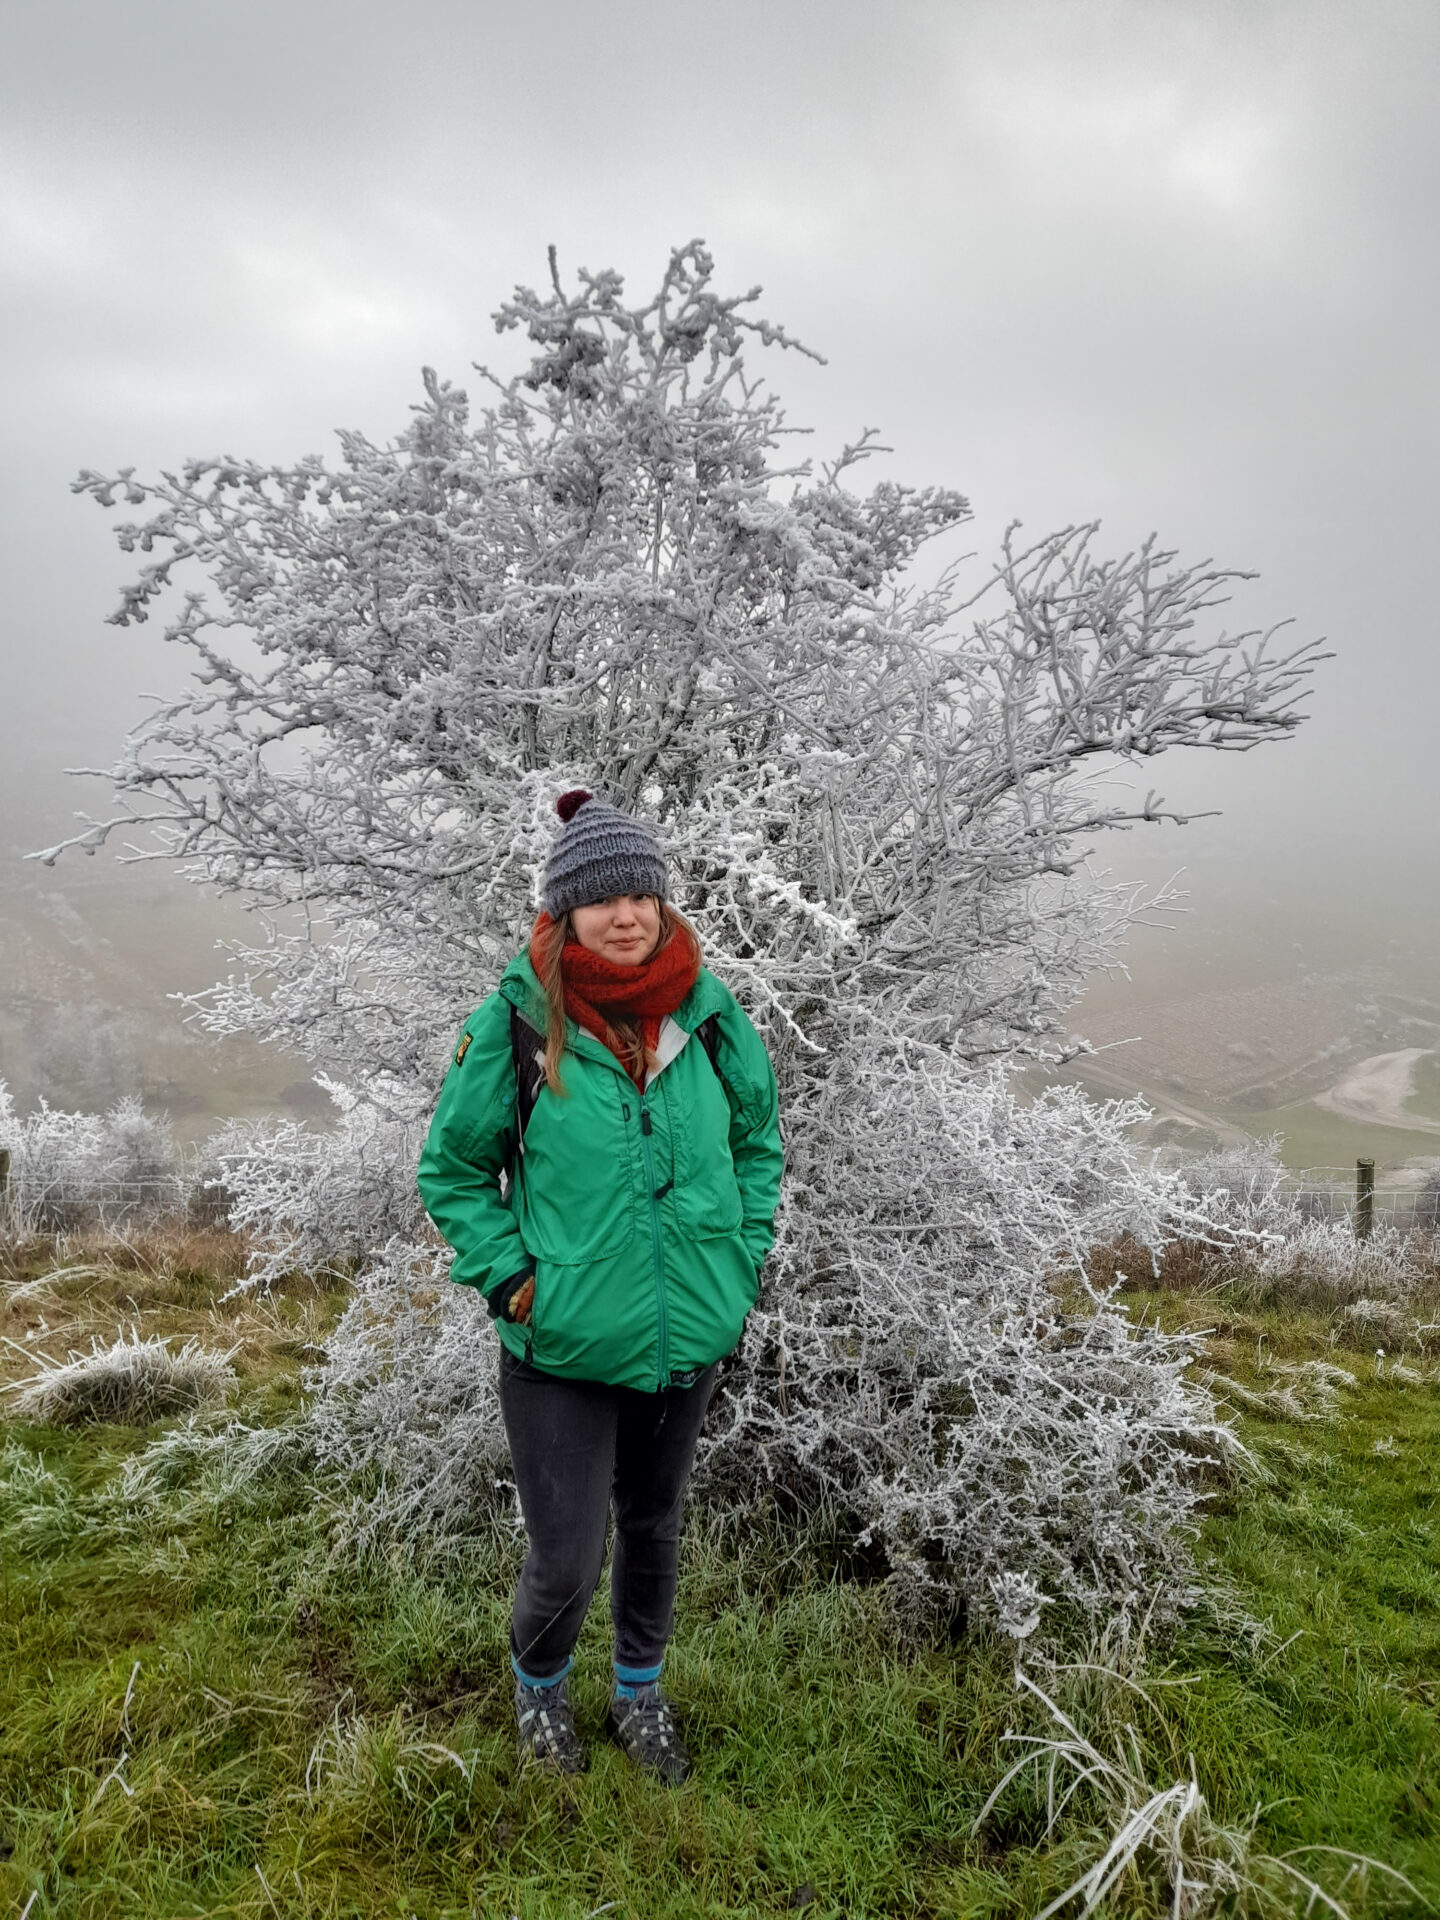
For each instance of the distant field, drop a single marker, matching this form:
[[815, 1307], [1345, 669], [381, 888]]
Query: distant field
[[1425, 1100], [1308, 1135], [1249, 1059], [1311, 1137]]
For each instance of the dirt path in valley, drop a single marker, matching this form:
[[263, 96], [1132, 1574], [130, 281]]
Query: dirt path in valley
[[1376, 1090], [1164, 1105]]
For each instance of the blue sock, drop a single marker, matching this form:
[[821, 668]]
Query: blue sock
[[629, 1680], [549, 1680]]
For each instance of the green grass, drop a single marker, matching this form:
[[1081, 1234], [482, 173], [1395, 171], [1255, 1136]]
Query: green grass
[[1425, 1090], [1337, 1551], [836, 1770], [1312, 1137]]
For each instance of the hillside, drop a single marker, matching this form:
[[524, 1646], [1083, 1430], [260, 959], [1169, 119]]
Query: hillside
[[211, 1708]]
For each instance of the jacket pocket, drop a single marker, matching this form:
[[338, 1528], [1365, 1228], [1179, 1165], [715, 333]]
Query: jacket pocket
[[708, 1205], [708, 1294], [593, 1322]]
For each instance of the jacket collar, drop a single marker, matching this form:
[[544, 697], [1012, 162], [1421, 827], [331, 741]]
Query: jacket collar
[[522, 989]]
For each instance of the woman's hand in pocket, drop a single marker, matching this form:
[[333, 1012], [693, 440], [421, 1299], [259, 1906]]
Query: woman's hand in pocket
[[522, 1303]]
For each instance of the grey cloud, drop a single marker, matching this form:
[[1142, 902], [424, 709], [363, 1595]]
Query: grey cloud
[[1171, 266]]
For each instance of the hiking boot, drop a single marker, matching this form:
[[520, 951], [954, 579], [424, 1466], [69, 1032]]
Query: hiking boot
[[545, 1721], [645, 1727]]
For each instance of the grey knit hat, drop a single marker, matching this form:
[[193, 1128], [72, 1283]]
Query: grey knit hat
[[598, 853]]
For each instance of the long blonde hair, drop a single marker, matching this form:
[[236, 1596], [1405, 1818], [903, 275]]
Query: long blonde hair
[[624, 1037]]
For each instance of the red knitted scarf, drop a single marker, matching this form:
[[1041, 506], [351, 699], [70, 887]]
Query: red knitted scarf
[[597, 991]]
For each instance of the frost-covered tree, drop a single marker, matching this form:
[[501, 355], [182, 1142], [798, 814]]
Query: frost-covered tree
[[873, 790], [875, 779]]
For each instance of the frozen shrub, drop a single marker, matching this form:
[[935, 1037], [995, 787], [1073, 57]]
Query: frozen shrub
[[932, 1356], [1245, 1190], [319, 1202], [931, 1359], [140, 1147], [74, 1170], [1322, 1264], [405, 1412], [131, 1382]]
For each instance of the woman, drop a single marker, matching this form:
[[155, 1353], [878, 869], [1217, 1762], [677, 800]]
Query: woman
[[621, 1257]]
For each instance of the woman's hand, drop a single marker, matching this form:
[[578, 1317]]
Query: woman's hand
[[521, 1303]]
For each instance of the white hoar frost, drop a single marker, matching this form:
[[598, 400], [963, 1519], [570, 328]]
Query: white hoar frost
[[875, 794]]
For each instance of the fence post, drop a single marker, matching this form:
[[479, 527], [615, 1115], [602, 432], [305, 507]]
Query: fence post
[[1364, 1198]]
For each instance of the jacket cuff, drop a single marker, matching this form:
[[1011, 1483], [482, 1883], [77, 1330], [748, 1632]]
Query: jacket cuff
[[499, 1298]]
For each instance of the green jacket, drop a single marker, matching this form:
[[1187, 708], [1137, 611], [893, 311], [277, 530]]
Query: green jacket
[[645, 1217]]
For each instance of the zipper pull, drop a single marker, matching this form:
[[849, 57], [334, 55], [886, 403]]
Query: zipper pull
[[644, 1119], [624, 1113]]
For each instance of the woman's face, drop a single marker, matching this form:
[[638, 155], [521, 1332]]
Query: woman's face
[[625, 930]]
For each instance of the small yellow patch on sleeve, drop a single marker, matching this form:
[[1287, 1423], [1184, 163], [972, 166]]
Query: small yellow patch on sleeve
[[463, 1048]]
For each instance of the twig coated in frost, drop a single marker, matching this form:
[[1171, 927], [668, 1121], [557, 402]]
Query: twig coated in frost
[[129, 1696], [115, 1777]]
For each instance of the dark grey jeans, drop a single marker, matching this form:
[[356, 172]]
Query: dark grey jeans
[[577, 1449]]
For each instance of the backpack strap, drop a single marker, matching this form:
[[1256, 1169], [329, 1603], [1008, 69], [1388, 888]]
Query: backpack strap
[[708, 1034], [529, 1076]]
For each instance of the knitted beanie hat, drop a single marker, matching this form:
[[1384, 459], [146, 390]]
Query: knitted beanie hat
[[598, 853]]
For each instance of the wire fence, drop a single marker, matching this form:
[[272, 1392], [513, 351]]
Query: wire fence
[[70, 1200], [73, 1200], [1356, 1194]]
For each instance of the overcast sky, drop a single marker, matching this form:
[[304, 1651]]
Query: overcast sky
[[1169, 265]]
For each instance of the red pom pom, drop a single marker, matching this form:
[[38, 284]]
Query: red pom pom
[[569, 804]]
